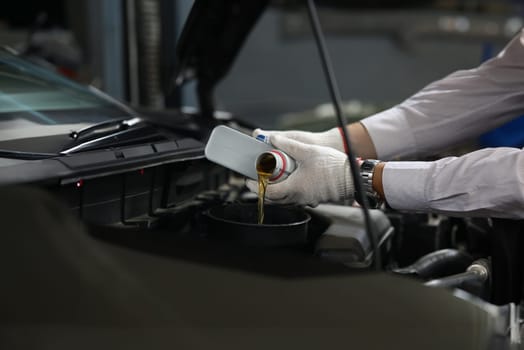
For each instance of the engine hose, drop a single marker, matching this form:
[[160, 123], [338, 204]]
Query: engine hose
[[437, 264]]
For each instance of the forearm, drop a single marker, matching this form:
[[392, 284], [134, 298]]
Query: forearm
[[361, 142], [488, 182], [452, 110]]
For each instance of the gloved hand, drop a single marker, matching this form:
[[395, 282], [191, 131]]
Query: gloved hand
[[322, 174], [331, 138]]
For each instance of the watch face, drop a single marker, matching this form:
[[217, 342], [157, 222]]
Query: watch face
[[369, 164]]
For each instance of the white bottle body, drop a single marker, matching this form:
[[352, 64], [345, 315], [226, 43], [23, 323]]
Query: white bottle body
[[241, 152]]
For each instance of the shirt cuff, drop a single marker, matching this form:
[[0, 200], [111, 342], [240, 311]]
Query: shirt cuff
[[405, 185], [390, 133]]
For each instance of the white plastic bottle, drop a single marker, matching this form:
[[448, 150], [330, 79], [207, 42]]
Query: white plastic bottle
[[243, 153]]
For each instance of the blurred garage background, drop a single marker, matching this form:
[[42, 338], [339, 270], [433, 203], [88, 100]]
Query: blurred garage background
[[382, 52]]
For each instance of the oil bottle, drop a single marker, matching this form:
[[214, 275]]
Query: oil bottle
[[252, 157], [243, 153]]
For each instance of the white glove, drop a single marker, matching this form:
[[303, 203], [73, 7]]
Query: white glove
[[322, 174], [330, 138]]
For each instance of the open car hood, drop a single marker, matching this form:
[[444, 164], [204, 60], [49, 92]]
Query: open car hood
[[215, 31], [213, 34]]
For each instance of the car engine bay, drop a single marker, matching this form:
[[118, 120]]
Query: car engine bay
[[144, 236]]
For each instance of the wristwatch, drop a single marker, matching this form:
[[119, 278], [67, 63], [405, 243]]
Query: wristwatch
[[367, 168]]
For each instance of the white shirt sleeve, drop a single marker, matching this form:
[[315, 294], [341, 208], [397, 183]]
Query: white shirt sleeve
[[453, 110], [487, 182], [463, 105]]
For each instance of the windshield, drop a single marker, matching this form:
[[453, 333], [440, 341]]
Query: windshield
[[35, 101]]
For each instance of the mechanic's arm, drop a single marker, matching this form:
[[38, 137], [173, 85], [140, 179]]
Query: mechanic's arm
[[449, 111], [452, 110], [488, 182]]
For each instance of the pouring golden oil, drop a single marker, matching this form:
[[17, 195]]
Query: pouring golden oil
[[272, 166], [266, 164]]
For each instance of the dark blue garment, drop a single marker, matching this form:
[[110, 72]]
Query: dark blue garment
[[510, 134]]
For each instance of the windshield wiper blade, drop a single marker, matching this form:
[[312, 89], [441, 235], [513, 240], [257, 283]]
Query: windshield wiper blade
[[26, 155], [142, 132], [105, 127]]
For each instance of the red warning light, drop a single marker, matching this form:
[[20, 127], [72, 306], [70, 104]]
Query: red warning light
[[79, 183], [141, 171]]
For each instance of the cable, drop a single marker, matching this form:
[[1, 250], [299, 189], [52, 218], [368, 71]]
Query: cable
[[335, 96]]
